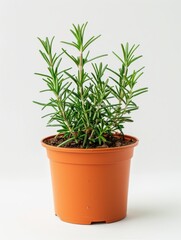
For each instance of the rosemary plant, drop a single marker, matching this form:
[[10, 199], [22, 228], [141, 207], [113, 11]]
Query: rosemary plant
[[86, 107]]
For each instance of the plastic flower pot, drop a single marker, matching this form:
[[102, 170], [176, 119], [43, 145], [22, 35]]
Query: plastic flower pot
[[90, 185]]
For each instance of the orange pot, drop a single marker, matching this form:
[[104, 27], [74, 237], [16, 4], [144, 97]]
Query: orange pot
[[90, 185]]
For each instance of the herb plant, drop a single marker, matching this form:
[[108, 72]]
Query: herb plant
[[86, 107]]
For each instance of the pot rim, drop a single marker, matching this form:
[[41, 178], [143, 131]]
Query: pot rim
[[89, 150]]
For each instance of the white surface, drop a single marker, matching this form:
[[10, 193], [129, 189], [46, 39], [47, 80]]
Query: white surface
[[154, 212], [26, 208]]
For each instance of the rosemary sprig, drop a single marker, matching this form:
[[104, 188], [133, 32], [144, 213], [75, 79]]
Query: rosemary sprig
[[87, 113]]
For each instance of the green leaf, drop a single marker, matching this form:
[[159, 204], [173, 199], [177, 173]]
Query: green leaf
[[45, 90], [132, 50], [43, 75], [74, 33], [39, 103], [71, 44], [124, 52], [53, 125], [83, 28], [138, 92], [47, 115], [92, 59], [72, 77], [43, 43], [71, 57], [51, 43], [115, 81], [66, 141], [44, 56], [118, 57], [117, 74], [134, 59], [91, 40]]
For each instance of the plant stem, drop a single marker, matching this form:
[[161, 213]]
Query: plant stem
[[80, 71], [60, 107], [63, 115], [122, 81], [81, 64]]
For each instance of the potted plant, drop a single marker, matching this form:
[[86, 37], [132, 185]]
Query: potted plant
[[90, 155]]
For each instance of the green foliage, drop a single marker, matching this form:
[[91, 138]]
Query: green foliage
[[93, 108]]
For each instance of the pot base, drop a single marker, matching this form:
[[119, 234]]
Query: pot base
[[89, 222]]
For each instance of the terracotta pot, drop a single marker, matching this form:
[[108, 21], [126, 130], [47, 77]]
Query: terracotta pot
[[90, 185]]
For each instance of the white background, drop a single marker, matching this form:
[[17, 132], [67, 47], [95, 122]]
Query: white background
[[26, 205]]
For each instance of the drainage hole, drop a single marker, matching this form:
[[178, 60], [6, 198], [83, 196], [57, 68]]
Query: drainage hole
[[98, 222]]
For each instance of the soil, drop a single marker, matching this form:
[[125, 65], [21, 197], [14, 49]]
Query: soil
[[115, 140]]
